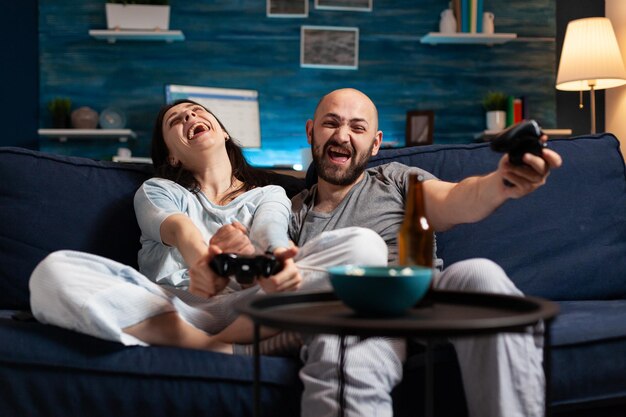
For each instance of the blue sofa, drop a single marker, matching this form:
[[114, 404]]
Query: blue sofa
[[565, 242]]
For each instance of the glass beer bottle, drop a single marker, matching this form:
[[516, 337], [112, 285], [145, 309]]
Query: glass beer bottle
[[415, 237]]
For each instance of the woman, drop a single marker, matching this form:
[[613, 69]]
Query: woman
[[205, 200], [205, 183]]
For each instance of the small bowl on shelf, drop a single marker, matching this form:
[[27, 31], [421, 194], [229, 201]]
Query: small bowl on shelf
[[380, 291]]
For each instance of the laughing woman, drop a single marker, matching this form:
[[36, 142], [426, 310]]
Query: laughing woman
[[204, 200]]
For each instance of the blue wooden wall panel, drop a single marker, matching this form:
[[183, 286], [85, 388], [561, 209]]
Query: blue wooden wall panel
[[232, 44]]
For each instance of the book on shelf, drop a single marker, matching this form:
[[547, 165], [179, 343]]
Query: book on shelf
[[463, 17], [456, 8], [479, 16], [469, 15], [472, 16], [517, 110]]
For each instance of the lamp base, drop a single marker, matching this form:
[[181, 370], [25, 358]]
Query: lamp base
[[592, 96]]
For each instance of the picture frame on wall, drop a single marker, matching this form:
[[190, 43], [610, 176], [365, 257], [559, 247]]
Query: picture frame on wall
[[332, 47], [355, 5], [287, 8], [420, 125]]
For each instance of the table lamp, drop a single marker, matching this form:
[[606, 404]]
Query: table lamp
[[590, 60]]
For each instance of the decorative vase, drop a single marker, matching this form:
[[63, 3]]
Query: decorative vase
[[84, 118], [447, 23], [137, 16], [488, 23], [496, 120], [112, 118]]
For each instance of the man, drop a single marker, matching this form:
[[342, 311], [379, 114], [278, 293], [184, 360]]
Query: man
[[344, 135]]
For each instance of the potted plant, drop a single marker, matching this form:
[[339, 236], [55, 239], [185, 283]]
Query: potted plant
[[138, 14], [60, 111], [495, 104]]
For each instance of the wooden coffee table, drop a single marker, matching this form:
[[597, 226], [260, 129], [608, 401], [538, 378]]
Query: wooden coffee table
[[441, 314]]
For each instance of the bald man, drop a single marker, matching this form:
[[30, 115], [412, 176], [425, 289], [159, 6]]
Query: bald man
[[502, 374]]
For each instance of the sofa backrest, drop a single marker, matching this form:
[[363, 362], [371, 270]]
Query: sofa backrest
[[50, 202], [566, 241]]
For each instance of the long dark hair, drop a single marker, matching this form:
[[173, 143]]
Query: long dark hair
[[250, 177]]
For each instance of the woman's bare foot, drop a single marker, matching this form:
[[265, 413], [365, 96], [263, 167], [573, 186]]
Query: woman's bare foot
[[169, 329], [217, 346]]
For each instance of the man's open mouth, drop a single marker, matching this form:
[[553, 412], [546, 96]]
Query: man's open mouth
[[337, 154], [197, 129]]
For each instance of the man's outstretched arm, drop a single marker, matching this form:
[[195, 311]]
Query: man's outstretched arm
[[474, 198]]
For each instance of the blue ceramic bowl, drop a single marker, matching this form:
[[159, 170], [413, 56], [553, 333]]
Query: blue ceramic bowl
[[380, 291]]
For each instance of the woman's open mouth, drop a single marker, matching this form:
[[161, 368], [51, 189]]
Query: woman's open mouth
[[196, 130]]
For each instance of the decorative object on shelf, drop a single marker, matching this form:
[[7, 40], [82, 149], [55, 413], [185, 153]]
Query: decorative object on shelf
[[124, 153], [447, 23], [138, 15], [420, 125], [60, 110], [590, 60], [84, 118], [495, 104], [488, 23], [112, 118], [287, 8]]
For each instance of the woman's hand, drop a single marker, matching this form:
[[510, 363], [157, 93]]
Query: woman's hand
[[233, 238], [289, 278], [203, 281]]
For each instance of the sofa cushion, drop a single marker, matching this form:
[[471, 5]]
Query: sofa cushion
[[566, 241], [50, 368], [588, 352]]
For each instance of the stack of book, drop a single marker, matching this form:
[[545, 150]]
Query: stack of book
[[516, 110], [469, 15]]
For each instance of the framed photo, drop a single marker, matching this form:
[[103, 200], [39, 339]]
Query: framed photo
[[287, 8], [357, 5], [419, 127], [331, 47]]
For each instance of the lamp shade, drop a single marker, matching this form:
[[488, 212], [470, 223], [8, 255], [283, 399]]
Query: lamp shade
[[590, 56]]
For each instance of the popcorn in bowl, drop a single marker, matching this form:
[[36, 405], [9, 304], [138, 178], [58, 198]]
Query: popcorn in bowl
[[380, 291]]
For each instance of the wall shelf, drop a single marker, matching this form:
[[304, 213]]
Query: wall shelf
[[112, 36], [435, 38], [64, 134], [133, 159], [487, 135]]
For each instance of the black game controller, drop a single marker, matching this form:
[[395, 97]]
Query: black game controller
[[523, 137], [519, 139], [245, 268]]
